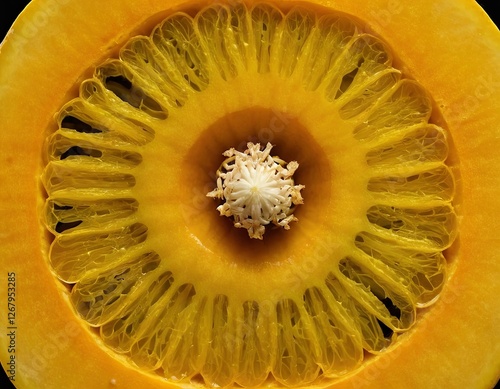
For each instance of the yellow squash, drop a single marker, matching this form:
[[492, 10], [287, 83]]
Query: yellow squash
[[451, 49]]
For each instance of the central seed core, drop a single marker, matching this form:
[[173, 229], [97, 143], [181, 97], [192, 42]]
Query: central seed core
[[257, 189]]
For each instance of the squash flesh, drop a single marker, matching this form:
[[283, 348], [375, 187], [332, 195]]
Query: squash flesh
[[470, 262], [154, 102]]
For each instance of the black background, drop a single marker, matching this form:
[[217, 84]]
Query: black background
[[10, 9]]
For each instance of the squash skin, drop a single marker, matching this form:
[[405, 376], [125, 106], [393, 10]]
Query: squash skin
[[454, 54]]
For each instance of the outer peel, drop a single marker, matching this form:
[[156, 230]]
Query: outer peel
[[455, 54]]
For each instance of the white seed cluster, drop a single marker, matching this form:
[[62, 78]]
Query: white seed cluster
[[257, 189]]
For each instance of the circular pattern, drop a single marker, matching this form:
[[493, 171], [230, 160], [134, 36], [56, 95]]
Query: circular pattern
[[176, 289]]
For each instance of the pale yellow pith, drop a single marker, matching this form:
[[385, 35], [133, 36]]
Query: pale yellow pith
[[152, 265], [257, 189]]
